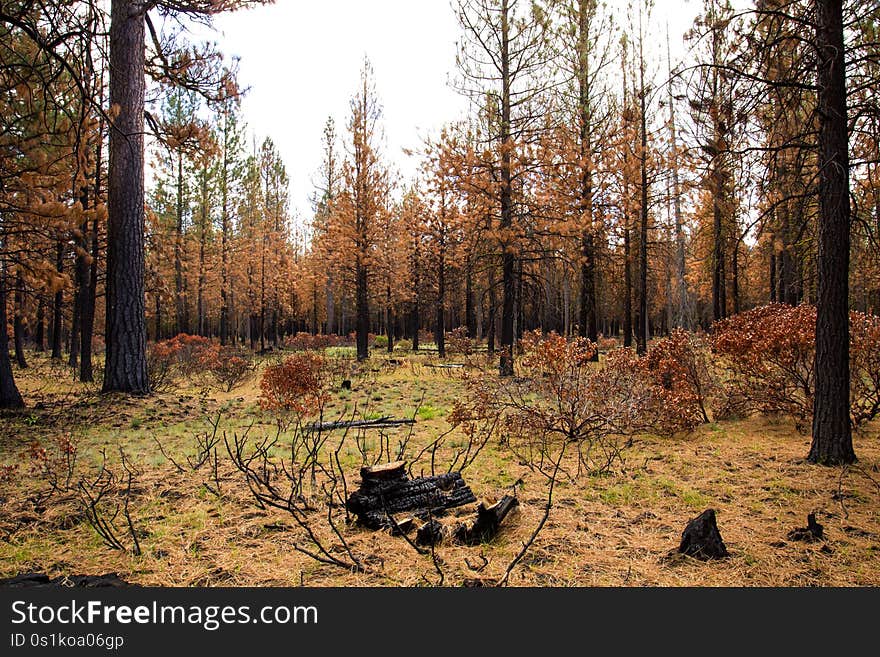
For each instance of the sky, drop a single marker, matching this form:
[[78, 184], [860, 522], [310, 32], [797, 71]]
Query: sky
[[302, 59]]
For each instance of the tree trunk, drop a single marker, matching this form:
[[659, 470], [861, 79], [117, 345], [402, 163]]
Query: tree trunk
[[9, 395], [832, 437], [508, 259], [58, 305], [734, 278], [772, 276], [470, 318], [389, 319], [414, 323], [125, 368], [81, 283], [87, 329], [719, 300], [40, 337], [439, 324], [642, 329], [363, 312], [17, 324], [627, 288]]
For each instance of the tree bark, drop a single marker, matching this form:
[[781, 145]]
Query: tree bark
[[508, 258], [832, 437], [439, 324], [642, 329], [40, 337], [17, 324], [58, 305], [363, 312], [125, 368], [87, 331], [9, 395]]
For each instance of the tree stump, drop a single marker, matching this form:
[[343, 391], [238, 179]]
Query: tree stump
[[811, 533], [701, 538], [488, 521], [431, 533], [386, 490]]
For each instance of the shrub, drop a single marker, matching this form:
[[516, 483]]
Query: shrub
[[768, 355], [308, 342], [864, 353], [607, 344], [380, 342], [403, 345], [226, 367], [458, 342], [298, 385], [567, 397], [180, 355], [679, 364]]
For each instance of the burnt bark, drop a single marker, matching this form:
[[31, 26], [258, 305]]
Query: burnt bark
[[58, 304], [386, 490], [9, 395], [17, 323], [125, 368], [832, 434], [701, 538]]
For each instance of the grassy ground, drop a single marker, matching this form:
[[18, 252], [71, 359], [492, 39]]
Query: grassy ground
[[619, 529]]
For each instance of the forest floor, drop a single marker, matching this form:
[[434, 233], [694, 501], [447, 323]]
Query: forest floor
[[620, 528]]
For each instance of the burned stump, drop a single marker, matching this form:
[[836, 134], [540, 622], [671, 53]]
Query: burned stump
[[701, 538], [485, 527], [386, 490], [431, 533], [811, 533]]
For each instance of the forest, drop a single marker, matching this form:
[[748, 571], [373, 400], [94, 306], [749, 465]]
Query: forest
[[628, 305]]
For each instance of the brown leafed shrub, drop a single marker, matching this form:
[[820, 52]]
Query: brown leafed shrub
[[564, 397], [864, 367], [308, 342], [458, 342], [298, 384], [679, 364], [768, 355], [226, 367], [178, 356]]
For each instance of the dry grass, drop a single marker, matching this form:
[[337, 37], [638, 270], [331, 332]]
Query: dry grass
[[619, 529]]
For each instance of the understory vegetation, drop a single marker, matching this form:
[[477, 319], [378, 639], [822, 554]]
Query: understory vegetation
[[210, 484]]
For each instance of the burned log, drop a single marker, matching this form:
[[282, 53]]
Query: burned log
[[386, 490], [485, 527], [384, 422], [701, 538]]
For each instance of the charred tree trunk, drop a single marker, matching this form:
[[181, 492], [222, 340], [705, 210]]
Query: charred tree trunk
[[87, 329], [58, 305], [627, 288], [363, 312], [439, 324], [40, 336], [125, 367], [508, 257], [470, 317], [9, 395], [773, 277], [414, 323], [17, 323], [832, 437]]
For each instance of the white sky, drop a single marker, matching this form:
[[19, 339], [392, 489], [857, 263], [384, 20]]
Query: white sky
[[302, 60]]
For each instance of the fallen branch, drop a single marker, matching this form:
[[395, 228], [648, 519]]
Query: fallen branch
[[377, 423]]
